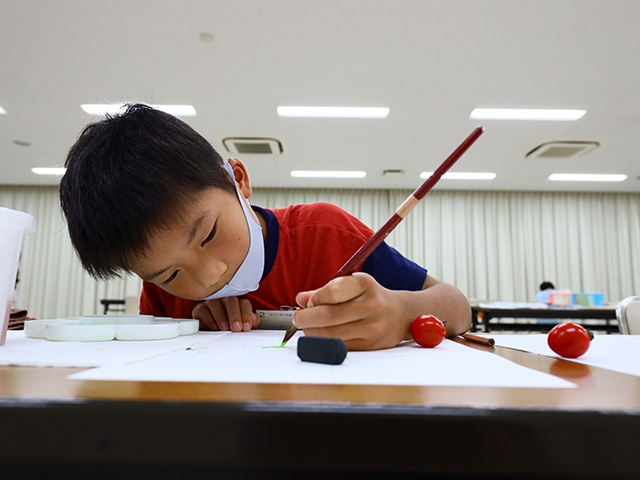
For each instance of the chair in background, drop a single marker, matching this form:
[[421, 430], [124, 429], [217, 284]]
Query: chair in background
[[128, 306], [628, 315], [115, 306]]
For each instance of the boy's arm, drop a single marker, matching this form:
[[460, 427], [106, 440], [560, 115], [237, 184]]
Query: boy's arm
[[447, 303], [368, 316]]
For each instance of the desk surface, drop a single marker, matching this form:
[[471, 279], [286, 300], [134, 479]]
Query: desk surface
[[598, 388], [290, 429]]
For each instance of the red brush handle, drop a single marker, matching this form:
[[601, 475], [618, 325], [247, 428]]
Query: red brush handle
[[370, 245], [412, 200]]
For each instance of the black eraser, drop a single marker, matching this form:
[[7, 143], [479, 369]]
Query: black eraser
[[331, 351]]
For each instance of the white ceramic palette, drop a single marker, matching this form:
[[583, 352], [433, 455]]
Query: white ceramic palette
[[102, 328]]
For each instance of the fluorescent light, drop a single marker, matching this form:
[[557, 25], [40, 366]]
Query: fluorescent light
[[49, 170], [334, 112], [112, 108], [463, 175], [2, 111], [586, 177], [327, 174], [526, 114]]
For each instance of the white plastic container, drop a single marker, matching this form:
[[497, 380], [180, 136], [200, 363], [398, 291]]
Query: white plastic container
[[13, 226]]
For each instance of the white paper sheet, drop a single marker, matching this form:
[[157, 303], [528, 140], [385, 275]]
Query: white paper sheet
[[240, 357], [19, 350], [620, 353]]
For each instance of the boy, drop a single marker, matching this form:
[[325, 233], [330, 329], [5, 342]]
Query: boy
[[145, 193]]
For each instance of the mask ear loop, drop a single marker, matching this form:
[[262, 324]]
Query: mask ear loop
[[230, 175], [232, 178], [255, 254]]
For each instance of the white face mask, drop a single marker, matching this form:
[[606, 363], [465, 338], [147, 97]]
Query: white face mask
[[247, 278]]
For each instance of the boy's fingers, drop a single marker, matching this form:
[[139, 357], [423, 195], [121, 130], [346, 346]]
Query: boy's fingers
[[231, 305], [357, 335], [238, 314], [338, 290], [346, 333], [202, 313], [302, 299], [324, 316], [225, 314], [219, 314], [247, 315], [333, 304], [254, 316]]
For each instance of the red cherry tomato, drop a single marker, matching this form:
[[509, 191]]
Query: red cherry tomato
[[428, 331], [569, 339]]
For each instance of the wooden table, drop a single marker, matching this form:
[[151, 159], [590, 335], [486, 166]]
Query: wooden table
[[54, 427], [482, 314]]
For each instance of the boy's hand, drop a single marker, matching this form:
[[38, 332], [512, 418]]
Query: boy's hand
[[230, 313], [356, 309]]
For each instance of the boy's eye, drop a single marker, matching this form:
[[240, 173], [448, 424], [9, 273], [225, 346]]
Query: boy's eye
[[173, 275], [212, 234]]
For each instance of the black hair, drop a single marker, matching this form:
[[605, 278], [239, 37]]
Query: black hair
[[546, 285], [129, 176]]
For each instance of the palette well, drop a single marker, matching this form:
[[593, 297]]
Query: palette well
[[101, 328]]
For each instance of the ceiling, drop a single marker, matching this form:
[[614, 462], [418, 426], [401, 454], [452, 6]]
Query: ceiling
[[430, 62]]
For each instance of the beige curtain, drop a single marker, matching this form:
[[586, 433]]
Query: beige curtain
[[492, 245], [502, 245], [52, 283]]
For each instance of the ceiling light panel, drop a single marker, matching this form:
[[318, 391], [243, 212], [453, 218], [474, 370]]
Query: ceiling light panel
[[586, 177], [49, 170], [327, 174], [2, 111], [113, 108], [526, 114], [463, 175], [334, 112]]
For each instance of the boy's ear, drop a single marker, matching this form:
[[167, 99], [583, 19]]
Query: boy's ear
[[241, 176]]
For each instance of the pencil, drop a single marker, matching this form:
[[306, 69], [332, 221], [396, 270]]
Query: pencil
[[402, 211], [490, 342]]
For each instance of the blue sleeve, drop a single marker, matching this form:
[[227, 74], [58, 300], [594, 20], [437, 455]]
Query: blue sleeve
[[394, 271]]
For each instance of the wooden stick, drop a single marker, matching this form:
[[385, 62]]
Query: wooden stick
[[490, 342]]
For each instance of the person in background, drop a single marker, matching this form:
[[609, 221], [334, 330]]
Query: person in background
[[546, 288]]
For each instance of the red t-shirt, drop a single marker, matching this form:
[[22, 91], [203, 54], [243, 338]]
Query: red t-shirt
[[306, 245]]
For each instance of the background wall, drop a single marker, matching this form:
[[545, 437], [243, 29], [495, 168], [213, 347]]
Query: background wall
[[491, 245]]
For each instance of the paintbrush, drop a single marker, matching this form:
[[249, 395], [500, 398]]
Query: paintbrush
[[403, 210]]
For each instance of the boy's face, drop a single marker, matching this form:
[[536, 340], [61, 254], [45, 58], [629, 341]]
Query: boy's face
[[201, 254]]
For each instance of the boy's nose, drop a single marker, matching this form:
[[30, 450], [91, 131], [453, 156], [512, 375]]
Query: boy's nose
[[211, 274]]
